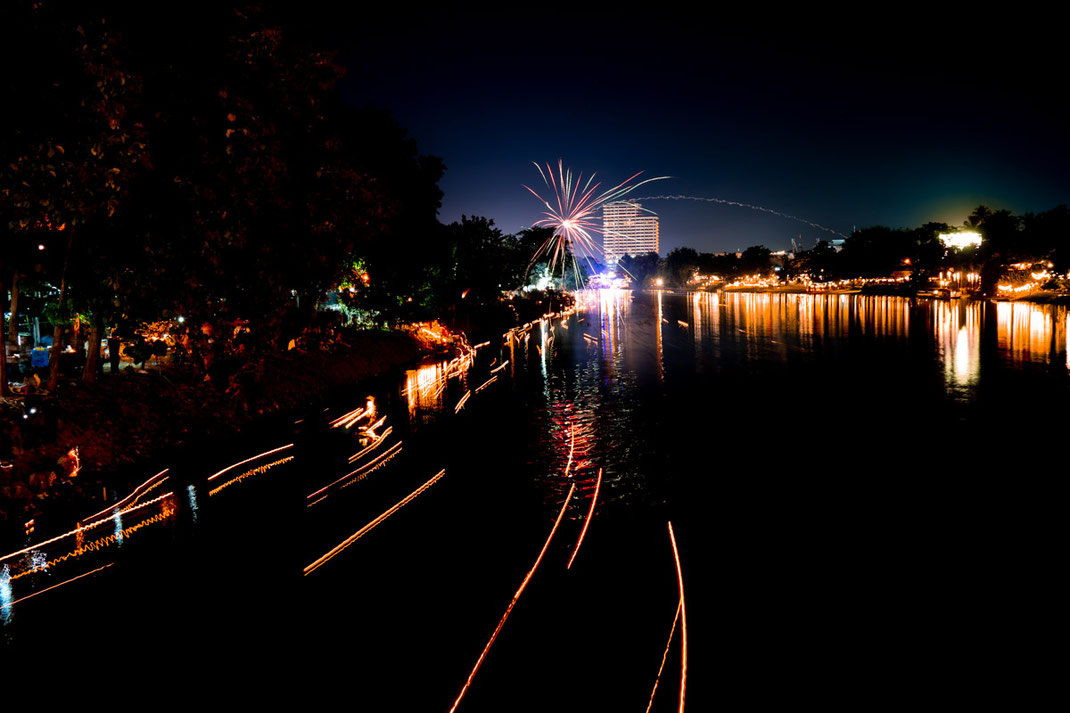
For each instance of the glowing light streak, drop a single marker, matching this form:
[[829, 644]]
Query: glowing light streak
[[102, 542], [350, 417], [249, 473], [590, 514], [81, 529], [504, 364], [371, 525], [462, 402], [571, 449], [664, 656], [249, 460], [379, 460], [133, 497], [480, 346], [372, 446], [370, 430], [516, 596], [683, 620], [488, 383], [4, 603], [371, 468]]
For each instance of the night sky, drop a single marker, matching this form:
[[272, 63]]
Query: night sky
[[844, 121]]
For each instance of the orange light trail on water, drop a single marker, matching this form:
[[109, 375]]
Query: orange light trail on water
[[489, 382], [348, 419], [369, 466], [132, 498], [664, 657], [370, 430], [263, 468], [30, 596], [371, 525], [462, 402], [79, 530], [586, 522], [504, 364], [516, 596], [249, 460], [378, 441], [683, 619], [571, 449], [105, 541]]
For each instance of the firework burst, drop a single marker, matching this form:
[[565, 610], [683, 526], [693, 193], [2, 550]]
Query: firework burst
[[572, 212]]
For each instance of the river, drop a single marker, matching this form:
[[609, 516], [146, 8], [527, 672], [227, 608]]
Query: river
[[862, 492]]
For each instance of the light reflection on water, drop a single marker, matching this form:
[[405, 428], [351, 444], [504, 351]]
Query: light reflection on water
[[423, 389], [6, 599], [649, 356]]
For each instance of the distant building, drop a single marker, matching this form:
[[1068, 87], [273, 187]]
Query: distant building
[[628, 230]]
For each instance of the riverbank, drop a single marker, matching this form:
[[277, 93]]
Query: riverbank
[[1040, 297], [65, 452]]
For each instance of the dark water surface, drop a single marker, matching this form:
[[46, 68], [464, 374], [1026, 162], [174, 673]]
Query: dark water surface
[[861, 488]]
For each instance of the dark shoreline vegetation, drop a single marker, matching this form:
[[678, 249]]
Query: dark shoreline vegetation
[[117, 428], [217, 206]]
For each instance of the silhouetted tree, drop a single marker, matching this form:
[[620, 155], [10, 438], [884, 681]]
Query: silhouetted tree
[[641, 268], [756, 260], [680, 265]]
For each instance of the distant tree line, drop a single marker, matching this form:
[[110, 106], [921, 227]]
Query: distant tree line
[[878, 251]]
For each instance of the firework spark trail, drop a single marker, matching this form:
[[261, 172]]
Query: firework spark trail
[[738, 204], [516, 596], [683, 620], [586, 522], [575, 216], [664, 656]]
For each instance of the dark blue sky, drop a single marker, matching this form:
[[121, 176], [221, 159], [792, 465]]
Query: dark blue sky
[[911, 118]]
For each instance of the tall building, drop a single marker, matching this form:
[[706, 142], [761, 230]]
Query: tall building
[[628, 230]]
